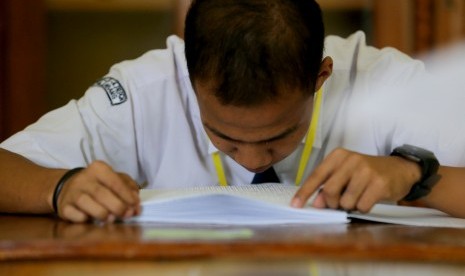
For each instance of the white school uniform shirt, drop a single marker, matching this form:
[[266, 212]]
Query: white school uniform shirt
[[146, 121]]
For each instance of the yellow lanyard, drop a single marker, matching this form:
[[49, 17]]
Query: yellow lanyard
[[307, 151]]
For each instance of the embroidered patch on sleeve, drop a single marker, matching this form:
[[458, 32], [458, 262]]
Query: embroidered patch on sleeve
[[114, 90]]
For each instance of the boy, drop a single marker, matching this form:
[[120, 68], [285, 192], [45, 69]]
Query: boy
[[253, 97]]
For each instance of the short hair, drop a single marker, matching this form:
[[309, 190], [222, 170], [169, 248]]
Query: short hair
[[250, 50]]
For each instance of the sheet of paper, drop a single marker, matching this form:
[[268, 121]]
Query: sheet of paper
[[272, 193], [263, 204], [267, 204], [415, 216]]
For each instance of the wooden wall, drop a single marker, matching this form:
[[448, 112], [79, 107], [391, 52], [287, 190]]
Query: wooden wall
[[412, 26], [418, 26], [22, 68]]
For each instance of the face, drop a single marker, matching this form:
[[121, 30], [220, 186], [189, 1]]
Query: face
[[260, 136]]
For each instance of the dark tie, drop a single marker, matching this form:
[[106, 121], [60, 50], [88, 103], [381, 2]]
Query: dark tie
[[267, 176]]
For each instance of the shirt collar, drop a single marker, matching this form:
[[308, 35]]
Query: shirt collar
[[211, 148]]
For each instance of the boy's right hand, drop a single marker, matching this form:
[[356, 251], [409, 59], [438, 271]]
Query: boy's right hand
[[98, 193]]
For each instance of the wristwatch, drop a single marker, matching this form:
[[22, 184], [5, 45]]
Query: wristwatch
[[429, 165]]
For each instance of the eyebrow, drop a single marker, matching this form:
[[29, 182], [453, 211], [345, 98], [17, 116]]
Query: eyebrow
[[268, 140]]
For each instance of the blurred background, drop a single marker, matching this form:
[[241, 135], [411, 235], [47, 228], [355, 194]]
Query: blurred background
[[52, 50]]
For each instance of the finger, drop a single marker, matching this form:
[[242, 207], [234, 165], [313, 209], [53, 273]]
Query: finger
[[129, 213], [351, 196], [130, 182], [110, 201], [137, 210], [319, 201], [369, 198], [73, 214], [346, 185], [92, 208], [322, 174], [117, 184], [132, 185], [354, 190], [120, 188], [335, 186], [319, 176], [88, 183], [313, 182]]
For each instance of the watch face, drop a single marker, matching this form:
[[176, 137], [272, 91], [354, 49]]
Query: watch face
[[411, 157], [415, 150], [414, 153]]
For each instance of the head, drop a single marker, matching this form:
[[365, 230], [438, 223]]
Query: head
[[255, 65]]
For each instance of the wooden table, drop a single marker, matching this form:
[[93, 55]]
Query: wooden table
[[41, 245]]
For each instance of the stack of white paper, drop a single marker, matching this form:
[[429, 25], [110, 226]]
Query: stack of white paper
[[267, 204]]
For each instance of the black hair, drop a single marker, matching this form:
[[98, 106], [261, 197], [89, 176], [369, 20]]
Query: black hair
[[249, 51]]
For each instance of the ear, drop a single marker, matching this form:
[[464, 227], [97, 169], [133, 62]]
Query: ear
[[326, 69]]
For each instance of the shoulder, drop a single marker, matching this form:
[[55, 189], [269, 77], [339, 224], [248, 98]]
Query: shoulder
[[155, 75], [353, 56], [154, 66], [354, 49]]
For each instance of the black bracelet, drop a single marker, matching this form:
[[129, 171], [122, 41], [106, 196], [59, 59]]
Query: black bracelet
[[60, 185]]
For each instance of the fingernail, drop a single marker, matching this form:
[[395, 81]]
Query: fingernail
[[129, 213], [138, 210], [111, 218], [295, 202]]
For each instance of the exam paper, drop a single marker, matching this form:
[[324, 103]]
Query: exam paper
[[268, 204], [415, 216], [263, 204]]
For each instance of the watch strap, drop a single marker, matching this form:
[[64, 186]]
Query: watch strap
[[429, 166]]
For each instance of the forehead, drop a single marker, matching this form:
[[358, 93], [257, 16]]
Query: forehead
[[253, 123]]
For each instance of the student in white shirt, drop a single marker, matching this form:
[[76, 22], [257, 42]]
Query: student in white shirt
[[242, 102]]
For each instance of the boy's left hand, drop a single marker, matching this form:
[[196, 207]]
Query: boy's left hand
[[354, 181]]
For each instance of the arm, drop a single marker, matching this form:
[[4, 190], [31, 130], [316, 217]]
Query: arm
[[449, 193], [354, 181], [95, 192], [77, 134]]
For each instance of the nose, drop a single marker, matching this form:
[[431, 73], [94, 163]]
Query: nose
[[255, 158]]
